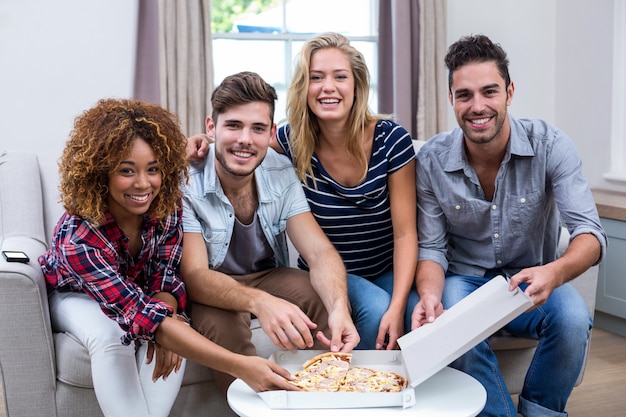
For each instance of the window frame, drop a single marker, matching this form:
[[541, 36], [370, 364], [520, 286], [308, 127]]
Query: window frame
[[289, 39], [617, 171]]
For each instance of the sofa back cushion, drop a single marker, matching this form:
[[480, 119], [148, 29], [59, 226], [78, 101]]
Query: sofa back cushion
[[21, 210], [51, 198]]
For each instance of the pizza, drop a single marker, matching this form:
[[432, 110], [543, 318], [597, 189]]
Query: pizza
[[332, 372], [323, 372], [372, 380]]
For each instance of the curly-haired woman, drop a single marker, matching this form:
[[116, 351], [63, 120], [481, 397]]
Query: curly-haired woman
[[113, 266]]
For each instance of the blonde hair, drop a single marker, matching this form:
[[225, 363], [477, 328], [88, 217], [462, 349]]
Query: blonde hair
[[102, 137], [304, 125]]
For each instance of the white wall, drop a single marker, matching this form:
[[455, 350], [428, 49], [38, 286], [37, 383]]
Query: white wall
[[528, 37], [584, 83], [561, 63], [57, 58]]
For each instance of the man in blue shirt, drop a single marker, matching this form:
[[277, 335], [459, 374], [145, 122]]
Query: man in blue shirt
[[239, 203], [491, 197]]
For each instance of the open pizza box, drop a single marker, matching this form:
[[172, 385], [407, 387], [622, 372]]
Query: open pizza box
[[424, 351]]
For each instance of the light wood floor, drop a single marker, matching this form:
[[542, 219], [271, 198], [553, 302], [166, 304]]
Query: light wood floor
[[603, 390]]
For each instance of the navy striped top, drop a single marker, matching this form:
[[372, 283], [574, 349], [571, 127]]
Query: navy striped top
[[357, 220]]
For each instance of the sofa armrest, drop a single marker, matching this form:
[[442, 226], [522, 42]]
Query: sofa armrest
[[587, 285], [27, 360]]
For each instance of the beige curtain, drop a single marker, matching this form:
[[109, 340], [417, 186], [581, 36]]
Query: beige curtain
[[398, 56], [146, 86], [185, 61], [411, 76], [431, 93]]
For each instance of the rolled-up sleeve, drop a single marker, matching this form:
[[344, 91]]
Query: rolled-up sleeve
[[166, 276], [572, 193], [120, 299]]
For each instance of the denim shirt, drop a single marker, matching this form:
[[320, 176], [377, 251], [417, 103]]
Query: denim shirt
[[206, 208], [539, 184]]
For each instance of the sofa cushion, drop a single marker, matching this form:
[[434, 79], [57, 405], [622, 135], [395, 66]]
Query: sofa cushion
[[52, 208], [73, 364], [262, 342]]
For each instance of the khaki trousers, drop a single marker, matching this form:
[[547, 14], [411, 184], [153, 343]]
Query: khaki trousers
[[231, 329]]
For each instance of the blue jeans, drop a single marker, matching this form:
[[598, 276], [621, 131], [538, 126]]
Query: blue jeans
[[369, 301], [561, 326]]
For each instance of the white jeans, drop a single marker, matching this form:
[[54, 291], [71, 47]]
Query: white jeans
[[122, 380]]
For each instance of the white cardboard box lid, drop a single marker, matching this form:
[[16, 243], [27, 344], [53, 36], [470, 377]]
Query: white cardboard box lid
[[430, 348]]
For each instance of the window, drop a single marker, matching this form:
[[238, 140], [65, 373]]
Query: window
[[618, 127], [265, 36]]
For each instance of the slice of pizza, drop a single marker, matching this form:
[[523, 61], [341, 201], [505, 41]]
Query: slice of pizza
[[323, 373], [360, 379]]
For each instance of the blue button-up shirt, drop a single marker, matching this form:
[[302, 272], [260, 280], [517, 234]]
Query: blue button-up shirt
[[206, 208], [539, 183]]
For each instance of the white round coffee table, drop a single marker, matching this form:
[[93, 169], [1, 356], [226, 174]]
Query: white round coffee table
[[448, 393]]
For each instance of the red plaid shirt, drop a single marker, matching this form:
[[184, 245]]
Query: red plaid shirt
[[96, 260]]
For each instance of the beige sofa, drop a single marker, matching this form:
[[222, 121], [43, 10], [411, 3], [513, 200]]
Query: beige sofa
[[44, 373]]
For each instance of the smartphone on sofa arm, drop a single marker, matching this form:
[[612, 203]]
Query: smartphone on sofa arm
[[15, 256]]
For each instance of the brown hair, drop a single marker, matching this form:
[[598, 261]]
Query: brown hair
[[102, 137], [241, 88]]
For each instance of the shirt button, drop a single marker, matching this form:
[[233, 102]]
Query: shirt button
[[522, 200], [494, 207], [496, 235], [458, 207], [499, 262]]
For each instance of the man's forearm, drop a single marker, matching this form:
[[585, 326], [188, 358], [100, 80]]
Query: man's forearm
[[583, 252], [429, 279], [328, 277], [219, 290]]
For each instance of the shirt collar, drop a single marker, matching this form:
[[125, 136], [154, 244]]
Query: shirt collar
[[519, 145], [109, 222]]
